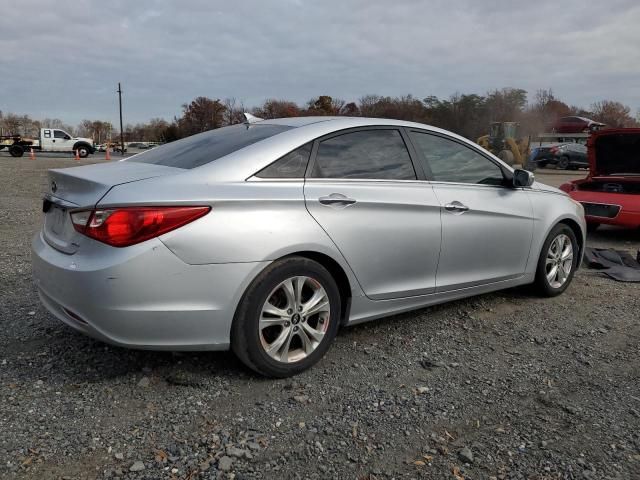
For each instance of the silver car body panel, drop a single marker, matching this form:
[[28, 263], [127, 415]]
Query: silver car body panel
[[395, 252], [398, 246]]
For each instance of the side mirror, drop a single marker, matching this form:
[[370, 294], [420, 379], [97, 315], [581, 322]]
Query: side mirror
[[67, 137], [522, 178]]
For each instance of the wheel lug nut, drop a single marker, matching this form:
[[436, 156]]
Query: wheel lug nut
[[289, 311], [304, 319], [295, 329], [300, 308], [286, 324]]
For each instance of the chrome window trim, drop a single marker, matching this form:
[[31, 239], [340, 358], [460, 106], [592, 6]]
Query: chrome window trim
[[255, 178]]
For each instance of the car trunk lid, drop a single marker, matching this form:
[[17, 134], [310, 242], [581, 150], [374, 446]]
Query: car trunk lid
[[615, 153], [82, 187]]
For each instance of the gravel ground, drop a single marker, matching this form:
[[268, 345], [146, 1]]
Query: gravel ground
[[501, 386]]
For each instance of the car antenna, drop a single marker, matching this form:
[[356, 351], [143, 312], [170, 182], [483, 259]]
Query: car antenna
[[249, 119]]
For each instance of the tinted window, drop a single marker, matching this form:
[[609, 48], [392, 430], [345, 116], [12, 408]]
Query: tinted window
[[292, 165], [59, 134], [206, 147], [372, 154], [451, 161]]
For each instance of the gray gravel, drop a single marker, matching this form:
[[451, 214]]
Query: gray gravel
[[502, 386]]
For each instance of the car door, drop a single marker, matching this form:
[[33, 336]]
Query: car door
[[363, 190], [487, 225], [62, 141]]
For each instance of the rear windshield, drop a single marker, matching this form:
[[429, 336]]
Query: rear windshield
[[206, 147]]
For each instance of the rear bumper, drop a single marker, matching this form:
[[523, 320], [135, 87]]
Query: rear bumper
[[142, 296]]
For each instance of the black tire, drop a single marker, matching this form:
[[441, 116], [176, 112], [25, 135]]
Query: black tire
[[563, 163], [541, 283], [507, 157], [542, 164], [83, 150], [245, 332], [592, 226], [16, 151]]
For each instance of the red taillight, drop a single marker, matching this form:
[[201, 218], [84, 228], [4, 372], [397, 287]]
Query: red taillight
[[553, 150], [121, 227]]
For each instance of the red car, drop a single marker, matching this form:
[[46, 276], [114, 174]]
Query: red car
[[611, 192], [576, 125]]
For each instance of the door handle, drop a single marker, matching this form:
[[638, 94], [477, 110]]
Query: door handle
[[336, 199], [456, 207]]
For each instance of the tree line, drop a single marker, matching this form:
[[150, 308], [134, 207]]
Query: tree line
[[466, 114]]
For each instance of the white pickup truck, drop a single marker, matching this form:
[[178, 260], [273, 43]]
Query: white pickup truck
[[51, 140]]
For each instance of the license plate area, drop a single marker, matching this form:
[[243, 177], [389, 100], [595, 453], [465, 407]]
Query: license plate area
[[56, 217]]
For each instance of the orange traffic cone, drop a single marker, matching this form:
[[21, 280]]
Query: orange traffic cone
[[107, 155], [77, 155], [32, 155]]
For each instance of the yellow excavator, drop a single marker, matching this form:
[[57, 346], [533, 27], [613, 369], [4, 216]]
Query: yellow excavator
[[503, 141]]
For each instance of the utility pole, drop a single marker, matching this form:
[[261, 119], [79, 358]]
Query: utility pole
[[121, 131]]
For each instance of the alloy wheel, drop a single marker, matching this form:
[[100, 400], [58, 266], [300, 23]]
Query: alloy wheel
[[294, 319], [559, 261]]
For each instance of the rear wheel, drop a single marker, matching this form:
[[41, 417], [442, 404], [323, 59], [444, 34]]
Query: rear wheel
[[558, 261], [16, 150], [287, 319], [563, 163]]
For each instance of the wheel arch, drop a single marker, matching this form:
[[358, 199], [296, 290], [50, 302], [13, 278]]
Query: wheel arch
[[337, 272], [81, 143], [575, 227]]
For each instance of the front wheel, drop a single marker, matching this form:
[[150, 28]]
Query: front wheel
[[83, 151], [563, 163], [287, 318], [557, 262]]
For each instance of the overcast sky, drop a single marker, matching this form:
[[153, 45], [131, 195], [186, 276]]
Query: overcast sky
[[64, 58]]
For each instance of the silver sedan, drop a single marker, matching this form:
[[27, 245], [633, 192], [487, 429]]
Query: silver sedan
[[268, 236]]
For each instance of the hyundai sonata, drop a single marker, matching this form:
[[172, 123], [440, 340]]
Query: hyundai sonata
[[266, 237]]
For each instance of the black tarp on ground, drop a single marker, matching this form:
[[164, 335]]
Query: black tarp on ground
[[616, 264]]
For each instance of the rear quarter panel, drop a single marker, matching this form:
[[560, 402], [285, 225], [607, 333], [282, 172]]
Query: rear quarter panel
[[250, 221]]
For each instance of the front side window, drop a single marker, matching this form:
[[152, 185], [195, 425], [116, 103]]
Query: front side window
[[207, 147], [368, 154], [292, 165], [450, 161], [59, 134]]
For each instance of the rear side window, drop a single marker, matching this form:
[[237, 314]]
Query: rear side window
[[292, 165], [451, 161], [203, 148], [368, 154]]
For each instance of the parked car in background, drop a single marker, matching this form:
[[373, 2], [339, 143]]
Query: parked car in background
[[118, 148], [541, 155], [268, 237], [563, 155], [575, 124], [569, 156], [611, 192]]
